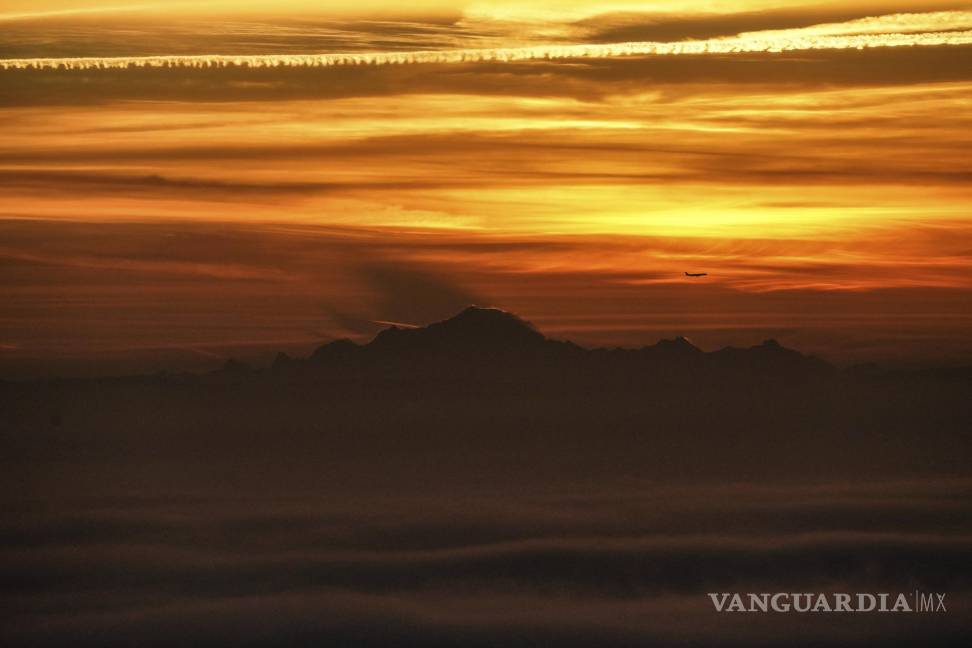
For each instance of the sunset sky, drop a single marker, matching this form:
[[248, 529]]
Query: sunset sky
[[181, 182]]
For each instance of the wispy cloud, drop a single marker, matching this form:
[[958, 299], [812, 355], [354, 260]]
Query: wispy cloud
[[933, 21], [64, 13], [851, 35]]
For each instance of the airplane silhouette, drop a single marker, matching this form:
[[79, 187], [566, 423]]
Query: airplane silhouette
[[696, 274]]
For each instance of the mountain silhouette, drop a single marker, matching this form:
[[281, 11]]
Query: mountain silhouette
[[770, 356], [336, 351], [475, 329], [485, 396], [497, 341]]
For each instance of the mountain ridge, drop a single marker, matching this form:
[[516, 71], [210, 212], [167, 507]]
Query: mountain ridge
[[492, 337]]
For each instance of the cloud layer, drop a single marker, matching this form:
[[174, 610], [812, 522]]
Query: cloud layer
[[784, 41], [627, 565]]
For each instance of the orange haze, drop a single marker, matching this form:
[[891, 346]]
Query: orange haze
[[169, 217]]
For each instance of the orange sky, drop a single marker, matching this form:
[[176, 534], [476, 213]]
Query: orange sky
[[172, 216]]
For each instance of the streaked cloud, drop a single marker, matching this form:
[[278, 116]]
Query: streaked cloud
[[855, 35]]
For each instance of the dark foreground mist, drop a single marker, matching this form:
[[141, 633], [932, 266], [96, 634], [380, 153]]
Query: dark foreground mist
[[618, 564], [475, 484]]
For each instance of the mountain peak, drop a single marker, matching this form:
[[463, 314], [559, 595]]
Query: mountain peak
[[678, 342], [677, 346], [474, 327], [489, 314], [479, 320]]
